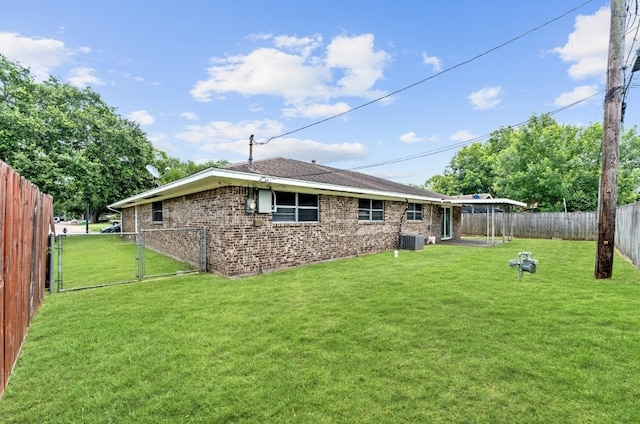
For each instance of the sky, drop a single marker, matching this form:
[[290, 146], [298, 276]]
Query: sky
[[392, 89]]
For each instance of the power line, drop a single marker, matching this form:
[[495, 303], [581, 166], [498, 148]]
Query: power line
[[451, 146], [465, 62], [466, 142]]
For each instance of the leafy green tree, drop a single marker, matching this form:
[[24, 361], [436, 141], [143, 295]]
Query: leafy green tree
[[537, 163], [470, 171], [629, 177], [543, 163], [173, 169], [443, 184], [69, 142]]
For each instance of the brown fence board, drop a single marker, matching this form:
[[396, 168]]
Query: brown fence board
[[3, 191], [25, 222], [627, 238], [568, 226]]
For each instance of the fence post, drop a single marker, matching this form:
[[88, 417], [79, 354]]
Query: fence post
[[203, 250], [59, 279], [139, 256], [51, 262]]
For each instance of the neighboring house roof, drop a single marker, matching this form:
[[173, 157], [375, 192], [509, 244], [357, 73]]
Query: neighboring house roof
[[473, 196], [488, 202], [483, 199], [287, 174]]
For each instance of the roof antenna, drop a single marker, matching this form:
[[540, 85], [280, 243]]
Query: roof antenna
[[250, 150]]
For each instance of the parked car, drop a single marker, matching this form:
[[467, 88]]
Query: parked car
[[115, 228]]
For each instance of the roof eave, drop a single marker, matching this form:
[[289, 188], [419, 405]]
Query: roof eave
[[215, 177], [499, 201]]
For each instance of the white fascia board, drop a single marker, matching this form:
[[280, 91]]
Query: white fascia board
[[216, 177], [313, 187], [488, 202]]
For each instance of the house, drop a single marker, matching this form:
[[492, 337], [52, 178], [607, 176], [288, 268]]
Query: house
[[473, 204], [489, 206], [277, 213]]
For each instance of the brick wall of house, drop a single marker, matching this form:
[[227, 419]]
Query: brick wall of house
[[241, 243]]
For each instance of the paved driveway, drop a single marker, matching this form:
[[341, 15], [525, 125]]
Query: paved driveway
[[71, 228]]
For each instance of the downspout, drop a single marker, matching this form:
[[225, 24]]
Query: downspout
[[404, 212], [431, 220], [118, 212]]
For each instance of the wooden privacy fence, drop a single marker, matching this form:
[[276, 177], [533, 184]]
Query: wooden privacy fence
[[25, 221], [567, 226], [627, 238]]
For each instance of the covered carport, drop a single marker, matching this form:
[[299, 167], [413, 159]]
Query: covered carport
[[491, 207]]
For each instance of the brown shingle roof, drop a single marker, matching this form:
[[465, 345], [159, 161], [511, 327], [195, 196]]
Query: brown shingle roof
[[313, 172]]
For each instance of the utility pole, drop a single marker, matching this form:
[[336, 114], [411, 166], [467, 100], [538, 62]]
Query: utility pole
[[608, 195]]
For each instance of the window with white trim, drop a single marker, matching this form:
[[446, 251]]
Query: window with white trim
[[370, 210], [295, 207], [414, 212]]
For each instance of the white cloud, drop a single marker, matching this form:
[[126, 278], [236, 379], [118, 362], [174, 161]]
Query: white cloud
[[129, 76], [410, 137], [263, 71], [261, 36], [307, 150], [221, 138], [40, 55], [300, 72], [189, 116], [161, 142], [225, 131], [462, 135], [433, 61], [142, 117], [485, 98], [361, 64], [315, 110], [305, 45], [83, 77], [578, 93], [587, 46]]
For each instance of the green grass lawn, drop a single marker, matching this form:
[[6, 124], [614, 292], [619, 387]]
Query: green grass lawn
[[444, 335], [94, 259]]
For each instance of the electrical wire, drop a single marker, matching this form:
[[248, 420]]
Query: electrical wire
[[470, 141], [449, 147], [631, 58], [459, 64]]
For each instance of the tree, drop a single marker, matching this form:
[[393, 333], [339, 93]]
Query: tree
[[176, 169], [629, 178], [538, 163], [69, 142], [544, 163]]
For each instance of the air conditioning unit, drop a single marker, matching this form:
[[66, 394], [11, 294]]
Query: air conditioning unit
[[412, 242]]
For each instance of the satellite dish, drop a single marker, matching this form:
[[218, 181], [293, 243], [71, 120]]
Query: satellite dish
[[153, 171]]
